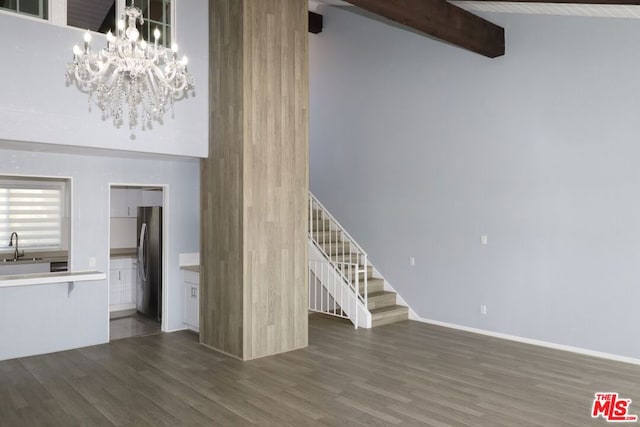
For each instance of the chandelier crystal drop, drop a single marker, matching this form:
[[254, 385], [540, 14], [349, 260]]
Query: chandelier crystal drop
[[148, 77]]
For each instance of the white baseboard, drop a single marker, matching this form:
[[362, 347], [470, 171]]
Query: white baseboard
[[578, 350], [176, 330], [593, 353]]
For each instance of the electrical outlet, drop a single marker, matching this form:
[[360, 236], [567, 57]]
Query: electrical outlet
[[483, 309], [412, 261], [484, 239]]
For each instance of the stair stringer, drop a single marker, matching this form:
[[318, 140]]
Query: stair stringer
[[349, 306], [399, 300]]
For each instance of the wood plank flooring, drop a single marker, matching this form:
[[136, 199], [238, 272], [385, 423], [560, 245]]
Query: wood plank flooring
[[404, 373], [134, 325]]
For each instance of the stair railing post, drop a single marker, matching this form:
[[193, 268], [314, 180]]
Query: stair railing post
[[366, 276], [310, 226], [357, 289]]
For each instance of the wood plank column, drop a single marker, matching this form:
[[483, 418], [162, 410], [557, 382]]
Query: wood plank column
[[254, 184]]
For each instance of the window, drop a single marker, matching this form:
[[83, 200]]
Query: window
[[36, 209], [100, 16], [157, 14], [37, 8]]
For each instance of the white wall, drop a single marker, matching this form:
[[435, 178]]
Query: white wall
[[37, 106], [419, 148], [44, 319]]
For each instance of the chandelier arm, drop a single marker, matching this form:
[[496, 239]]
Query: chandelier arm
[[181, 84], [89, 66], [154, 54], [159, 73], [170, 79], [90, 80]]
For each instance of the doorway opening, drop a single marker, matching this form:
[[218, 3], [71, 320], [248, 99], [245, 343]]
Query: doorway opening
[[136, 254]]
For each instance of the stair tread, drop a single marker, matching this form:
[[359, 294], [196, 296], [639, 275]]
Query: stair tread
[[372, 284], [388, 310], [350, 258], [380, 294]]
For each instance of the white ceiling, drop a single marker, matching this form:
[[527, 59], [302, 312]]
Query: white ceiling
[[317, 5], [564, 9]]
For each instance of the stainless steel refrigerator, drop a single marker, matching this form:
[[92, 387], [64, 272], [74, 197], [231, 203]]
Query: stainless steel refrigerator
[[149, 282]]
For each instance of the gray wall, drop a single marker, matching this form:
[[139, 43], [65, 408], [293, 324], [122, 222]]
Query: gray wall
[[419, 148], [47, 318], [37, 106]]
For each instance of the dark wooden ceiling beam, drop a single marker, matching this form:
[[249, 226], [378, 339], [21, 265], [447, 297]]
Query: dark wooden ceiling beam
[[441, 20], [589, 2]]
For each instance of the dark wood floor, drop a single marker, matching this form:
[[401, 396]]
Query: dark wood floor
[[401, 374], [134, 325]]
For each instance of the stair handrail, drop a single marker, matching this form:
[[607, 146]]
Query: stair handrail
[[325, 211], [360, 254]]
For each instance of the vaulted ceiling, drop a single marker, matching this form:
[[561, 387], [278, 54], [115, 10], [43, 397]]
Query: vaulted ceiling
[[88, 15]]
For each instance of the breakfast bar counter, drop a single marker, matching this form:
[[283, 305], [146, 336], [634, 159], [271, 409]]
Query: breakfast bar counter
[[50, 278]]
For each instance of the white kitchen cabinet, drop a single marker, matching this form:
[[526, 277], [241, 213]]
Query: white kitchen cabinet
[[133, 276], [119, 202], [122, 284], [115, 289], [125, 202], [192, 300], [152, 197]]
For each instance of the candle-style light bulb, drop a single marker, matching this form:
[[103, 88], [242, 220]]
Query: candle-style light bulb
[[156, 34], [184, 61], [77, 51], [87, 37], [143, 44], [110, 37], [174, 47]]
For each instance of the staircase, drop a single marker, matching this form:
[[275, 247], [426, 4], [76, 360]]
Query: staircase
[[343, 282]]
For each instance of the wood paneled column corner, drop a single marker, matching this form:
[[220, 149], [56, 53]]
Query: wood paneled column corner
[[254, 184]]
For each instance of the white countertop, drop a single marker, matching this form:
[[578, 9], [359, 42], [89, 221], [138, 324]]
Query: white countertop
[[123, 253], [50, 278], [194, 268]]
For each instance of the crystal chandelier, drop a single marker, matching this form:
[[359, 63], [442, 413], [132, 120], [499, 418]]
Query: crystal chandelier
[[147, 77]]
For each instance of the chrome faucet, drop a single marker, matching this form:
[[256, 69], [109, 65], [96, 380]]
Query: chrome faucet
[[16, 254]]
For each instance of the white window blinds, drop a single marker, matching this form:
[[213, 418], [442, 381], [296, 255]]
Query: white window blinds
[[34, 211]]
